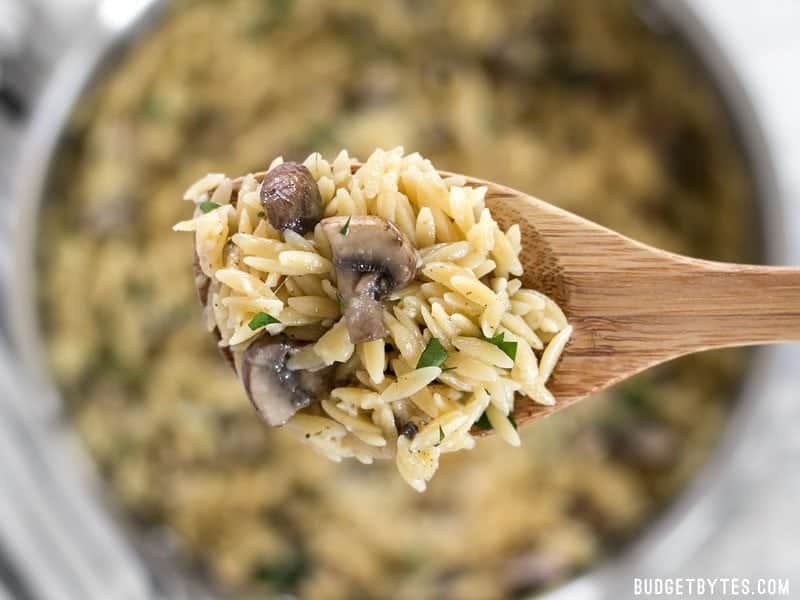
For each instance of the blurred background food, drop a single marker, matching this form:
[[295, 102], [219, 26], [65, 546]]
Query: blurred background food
[[576, 102]]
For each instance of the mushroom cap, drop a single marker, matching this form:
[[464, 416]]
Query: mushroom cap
[[290, 197], [372, 258], [372, 244], [275, 391]]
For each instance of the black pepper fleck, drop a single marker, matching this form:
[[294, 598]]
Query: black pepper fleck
[[409, 430]]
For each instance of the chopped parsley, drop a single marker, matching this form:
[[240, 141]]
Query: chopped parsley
[[261, 214], [261, 320], [441, 435], [346, 227], [483, 422], [446, 369], [320, 135], [635, 399], [510, 348], [208, 206], [513, 421], [271, 15], [152, 108], [340, 300], [284, 573], [136, 290], [433, 355]]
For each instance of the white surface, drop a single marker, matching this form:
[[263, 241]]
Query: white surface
[[763, 39]]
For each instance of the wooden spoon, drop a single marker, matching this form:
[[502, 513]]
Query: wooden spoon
[[633, 306]]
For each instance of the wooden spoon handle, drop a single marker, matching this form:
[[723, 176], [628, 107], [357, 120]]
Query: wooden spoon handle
[[693, 305], [739, 305], [658, 306]]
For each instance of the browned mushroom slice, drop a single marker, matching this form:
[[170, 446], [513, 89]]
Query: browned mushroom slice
[[372, 258], [276, 392], [363, 315], [291, 199]]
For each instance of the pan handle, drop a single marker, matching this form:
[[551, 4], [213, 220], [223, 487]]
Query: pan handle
[[33, 36]]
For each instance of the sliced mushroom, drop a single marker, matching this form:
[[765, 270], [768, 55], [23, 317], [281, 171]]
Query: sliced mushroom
[[531, 572], [372, 258], [290, 197], [649, 445], [363, 315], [276, 392]]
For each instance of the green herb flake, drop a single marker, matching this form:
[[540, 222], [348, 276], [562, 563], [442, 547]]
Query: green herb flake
[[261, 319], [513, 421], [411, 562], [635, 398], [261, 214], [441, 435], [284, 573], [139, 291], [448, 369], [320, 135], [433, 355], [208, 206], [271, 16], [346, 227], [340, 300], [510, 348], [152, 109], [483, 423]]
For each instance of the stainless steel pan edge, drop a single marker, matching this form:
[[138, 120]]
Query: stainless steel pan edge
[[77, 550], [666, 548]]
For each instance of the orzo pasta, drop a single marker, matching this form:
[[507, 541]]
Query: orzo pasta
[[342, 295]]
